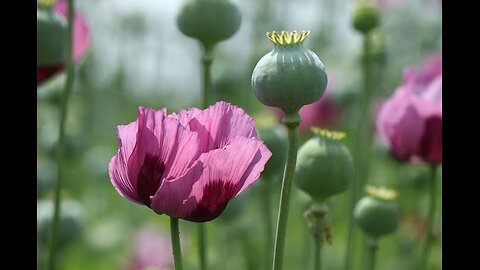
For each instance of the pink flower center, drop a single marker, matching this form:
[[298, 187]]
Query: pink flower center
[[149, 178]]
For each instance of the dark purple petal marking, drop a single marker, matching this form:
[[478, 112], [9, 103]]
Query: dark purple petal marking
[[216, 195], [149, 178], [431, 146]]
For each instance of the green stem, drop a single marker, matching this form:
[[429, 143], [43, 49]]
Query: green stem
[[361, 148], [286, 189], [317, 265], [202, 249], [372, 247], [316, 216], [429, 236], [267, 210], [207, 60], [60, 151], [177, 250]]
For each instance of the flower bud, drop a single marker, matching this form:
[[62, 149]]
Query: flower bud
[[366, 17], [324, 165], [209, 21], [70, 225], [377, 214], [290, 76], [51, 34]]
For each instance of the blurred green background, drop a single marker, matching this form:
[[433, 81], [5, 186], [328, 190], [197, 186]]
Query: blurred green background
[[138, 57]]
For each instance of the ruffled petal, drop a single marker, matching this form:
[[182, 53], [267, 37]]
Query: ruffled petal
[[410, 121], [390, 113], [228, 171], [173, 197], [220, 123], [117, 168], [164, 150], [256, 167], [184, 116], [179, 147], [406, 133], [430, 102], [145, 168]]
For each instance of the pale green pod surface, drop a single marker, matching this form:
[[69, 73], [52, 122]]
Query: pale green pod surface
[[377, 217], [275, 139], [209, 21], [289, 77], [51, 35], [324, 167], [366, 17]]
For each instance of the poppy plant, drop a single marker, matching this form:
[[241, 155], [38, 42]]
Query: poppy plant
[[81, 41], [188, 165], [410, 122]]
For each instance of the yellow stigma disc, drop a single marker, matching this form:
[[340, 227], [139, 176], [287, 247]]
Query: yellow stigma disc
[[285, 38], [381, 192], [330, 134]]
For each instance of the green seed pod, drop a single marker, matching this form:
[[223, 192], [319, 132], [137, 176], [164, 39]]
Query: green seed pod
[[290, 76], [366, 17], [51, 34], [377, 214], [324, 165], [70, 225], [209, 21], [274, 139]]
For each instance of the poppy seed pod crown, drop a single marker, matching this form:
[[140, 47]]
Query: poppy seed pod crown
[[209, 21], [290, 76], [324, 165], [377, 214], [51, 34]]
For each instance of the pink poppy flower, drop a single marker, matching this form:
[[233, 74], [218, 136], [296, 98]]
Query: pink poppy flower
[[410, 122], [81, 41], [188, 165], [152, 250]]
